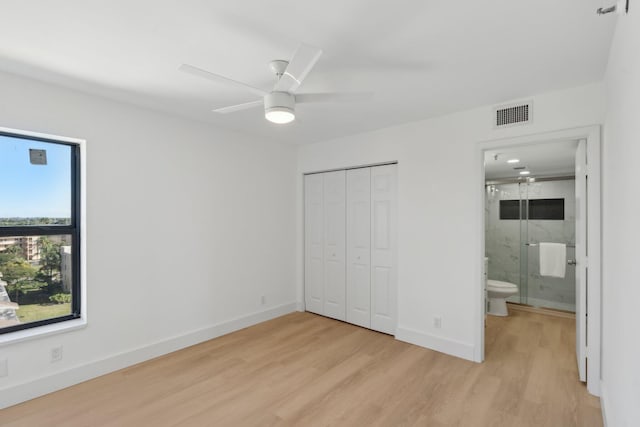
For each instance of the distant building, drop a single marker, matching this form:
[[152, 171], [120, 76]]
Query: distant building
[[66, 272], [28, 244]]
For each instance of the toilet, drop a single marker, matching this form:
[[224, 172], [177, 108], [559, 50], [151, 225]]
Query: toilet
[[497, 294]]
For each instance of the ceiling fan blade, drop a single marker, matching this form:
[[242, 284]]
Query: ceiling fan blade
[[199, 72], [334, 97], [239, 107], [302, 62]]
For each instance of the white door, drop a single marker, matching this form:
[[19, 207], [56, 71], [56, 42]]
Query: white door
[[581, 259], [334, 244], [383, 254], [359, 247], [314, 243]]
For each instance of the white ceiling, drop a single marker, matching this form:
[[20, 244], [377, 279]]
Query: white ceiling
[[421, 58], [557, 158]]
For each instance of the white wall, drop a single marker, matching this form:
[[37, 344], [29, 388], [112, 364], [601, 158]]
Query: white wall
[[621, 228], [188, 226], [439, 194]]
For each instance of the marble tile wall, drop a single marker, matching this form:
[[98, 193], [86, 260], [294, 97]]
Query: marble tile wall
[[508, 259]]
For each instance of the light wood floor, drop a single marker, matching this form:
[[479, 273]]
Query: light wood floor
[[306, 370]]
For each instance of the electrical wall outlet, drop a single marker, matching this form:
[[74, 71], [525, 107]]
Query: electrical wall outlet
[[56, 354], [437, 322], [4, 367], [263, 300]]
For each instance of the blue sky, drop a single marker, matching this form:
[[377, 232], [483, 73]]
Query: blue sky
[[28, 190]]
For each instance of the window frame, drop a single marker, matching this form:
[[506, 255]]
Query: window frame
[[76, 229]]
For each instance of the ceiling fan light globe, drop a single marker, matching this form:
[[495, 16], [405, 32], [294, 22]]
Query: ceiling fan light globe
[[279, 107], [280, 115]]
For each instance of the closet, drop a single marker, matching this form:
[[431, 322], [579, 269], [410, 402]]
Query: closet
[[350, 246]]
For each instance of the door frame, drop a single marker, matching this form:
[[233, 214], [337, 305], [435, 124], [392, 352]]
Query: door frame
[[592, 134]]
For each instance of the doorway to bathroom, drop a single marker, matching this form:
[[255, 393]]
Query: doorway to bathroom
[[530, 201], [541, 213]]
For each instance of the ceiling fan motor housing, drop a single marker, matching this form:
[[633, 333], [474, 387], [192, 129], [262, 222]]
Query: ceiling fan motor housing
[[279, 100]]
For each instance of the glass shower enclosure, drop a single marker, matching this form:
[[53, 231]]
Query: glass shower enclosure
[[519, 215]]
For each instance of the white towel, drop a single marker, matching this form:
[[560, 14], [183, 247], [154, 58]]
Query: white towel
[[553, 259]]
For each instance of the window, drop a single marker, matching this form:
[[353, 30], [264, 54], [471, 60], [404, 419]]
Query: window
[[39, 231], [535, 208], [546, 209], [510, 209]]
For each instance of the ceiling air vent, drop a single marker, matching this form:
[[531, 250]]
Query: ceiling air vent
[[513, 114]]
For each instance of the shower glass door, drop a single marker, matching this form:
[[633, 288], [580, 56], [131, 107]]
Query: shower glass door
[[549, 216], [523, 285], [519, 216], [505, 232]]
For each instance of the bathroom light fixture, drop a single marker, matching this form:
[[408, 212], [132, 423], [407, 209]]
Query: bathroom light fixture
[[513, 161], [524, 172]]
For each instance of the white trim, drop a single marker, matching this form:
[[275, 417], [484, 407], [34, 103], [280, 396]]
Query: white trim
[[592, 135], [604, 405], [69, 325], [68, 377], [27, 133], [438, 343], [42, 331], [594, 260]]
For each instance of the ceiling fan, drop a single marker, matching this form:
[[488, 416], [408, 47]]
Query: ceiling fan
[[279, 103]]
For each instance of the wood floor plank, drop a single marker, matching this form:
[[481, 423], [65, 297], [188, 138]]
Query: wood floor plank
[[307, 370]]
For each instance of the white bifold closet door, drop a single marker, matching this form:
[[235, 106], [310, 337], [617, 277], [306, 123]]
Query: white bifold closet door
[[334, 245], [314, 243], [350, 246], [359, 247], [383, 249]]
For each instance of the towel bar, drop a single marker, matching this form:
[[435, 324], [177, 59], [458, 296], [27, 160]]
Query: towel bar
[[535, 244]]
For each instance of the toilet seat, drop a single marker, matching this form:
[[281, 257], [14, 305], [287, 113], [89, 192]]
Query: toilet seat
[[498, 284]]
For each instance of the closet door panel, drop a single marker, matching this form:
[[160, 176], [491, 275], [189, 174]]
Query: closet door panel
[[334, 245], [359, 247], [383, 253], [314, 243]]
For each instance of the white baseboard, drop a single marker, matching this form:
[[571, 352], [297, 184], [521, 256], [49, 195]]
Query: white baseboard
[[604, 404], [300, 306], [31, 389], [434, 342]]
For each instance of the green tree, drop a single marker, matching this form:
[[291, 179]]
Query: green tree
[[11, 255], [50, 260], [18, 273], [14, 251], [5, 258]]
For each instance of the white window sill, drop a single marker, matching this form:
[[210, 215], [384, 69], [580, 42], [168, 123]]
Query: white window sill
[[42, 331]]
